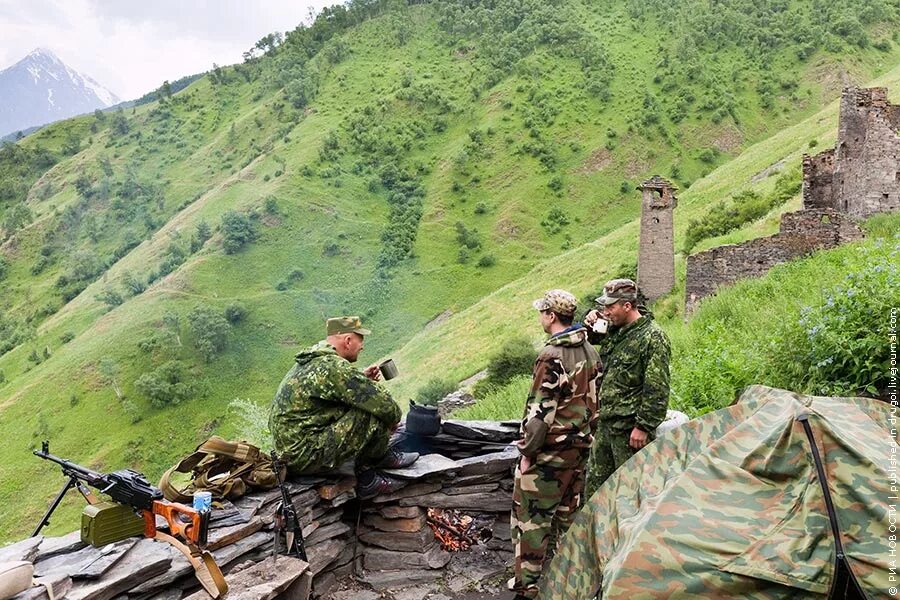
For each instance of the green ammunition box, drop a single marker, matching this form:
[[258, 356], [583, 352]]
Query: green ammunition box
[[107, 522]]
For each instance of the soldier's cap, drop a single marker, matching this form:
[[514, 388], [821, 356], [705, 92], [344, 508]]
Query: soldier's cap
[[558, 301], [337, 325], [618, 289]]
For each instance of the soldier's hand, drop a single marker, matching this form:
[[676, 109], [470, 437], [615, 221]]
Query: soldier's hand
[[373, 373], [638, 438], [592, 317]]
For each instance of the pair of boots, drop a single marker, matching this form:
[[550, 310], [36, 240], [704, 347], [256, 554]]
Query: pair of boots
[[370, 482]]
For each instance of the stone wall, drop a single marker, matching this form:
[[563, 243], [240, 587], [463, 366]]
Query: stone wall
[[387, 542], [818, 174], [864, 166], [801, 233], [656, 254]]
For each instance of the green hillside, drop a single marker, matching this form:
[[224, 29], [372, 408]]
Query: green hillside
[[429, 167]]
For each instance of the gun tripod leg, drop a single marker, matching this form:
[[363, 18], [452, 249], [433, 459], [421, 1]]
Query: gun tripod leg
[[45, 520]]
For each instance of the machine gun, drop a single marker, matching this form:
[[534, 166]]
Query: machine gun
[[133, 495], [287, 523]]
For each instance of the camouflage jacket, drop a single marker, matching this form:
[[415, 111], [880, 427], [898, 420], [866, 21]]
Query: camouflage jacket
[[564, 390], [634, 391], [315, 399]]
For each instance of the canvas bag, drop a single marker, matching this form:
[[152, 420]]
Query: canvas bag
[[226, 469]]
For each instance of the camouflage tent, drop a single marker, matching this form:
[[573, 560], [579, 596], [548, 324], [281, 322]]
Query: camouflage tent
[[731, 505]]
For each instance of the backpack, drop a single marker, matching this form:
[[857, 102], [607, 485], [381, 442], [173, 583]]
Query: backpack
[[226, 469]]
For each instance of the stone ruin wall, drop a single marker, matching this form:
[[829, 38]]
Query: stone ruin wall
[[861, 175], [801, 233]]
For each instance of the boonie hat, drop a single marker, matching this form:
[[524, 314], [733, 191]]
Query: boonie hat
[[558, 301], [337, 325], [618, 289]]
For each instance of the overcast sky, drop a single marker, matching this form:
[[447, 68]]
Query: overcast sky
[[132, 46]]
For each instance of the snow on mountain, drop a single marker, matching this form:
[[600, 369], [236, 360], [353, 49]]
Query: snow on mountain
[[40, 89]]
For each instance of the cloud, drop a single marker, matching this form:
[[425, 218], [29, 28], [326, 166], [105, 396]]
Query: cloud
[[131, 47]]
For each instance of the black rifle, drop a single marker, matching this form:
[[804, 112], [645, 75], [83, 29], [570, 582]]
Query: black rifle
[[131, 489], [286, 521]]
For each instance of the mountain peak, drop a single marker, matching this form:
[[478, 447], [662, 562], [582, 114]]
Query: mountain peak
[[41, 88]]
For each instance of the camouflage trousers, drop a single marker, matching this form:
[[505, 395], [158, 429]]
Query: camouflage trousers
[[546, 496], [610, 451], [357, 436]]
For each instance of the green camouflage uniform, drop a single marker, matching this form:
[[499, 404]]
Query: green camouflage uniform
[[326, 412], [548, 490], [634, 392]]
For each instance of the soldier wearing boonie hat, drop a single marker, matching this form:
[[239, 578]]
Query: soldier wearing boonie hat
[[556, 435], [328, 415], [634, 393]]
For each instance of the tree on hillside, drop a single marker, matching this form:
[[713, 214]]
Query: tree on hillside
[[210, 330], [173, 322], [120, 123], [109, 374], [237, 230]]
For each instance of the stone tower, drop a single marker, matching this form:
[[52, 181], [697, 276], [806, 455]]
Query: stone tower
[[656, 255], [861, 175]]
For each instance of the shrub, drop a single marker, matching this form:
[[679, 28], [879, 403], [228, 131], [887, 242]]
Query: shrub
[[237, 231], [515, 358], [434, 390], [4, 268], [210, 330], [252, 422], [555, 220], [110, 297], [235, 312], [165, 385], [466, 237], [487, 260], [67, 337]]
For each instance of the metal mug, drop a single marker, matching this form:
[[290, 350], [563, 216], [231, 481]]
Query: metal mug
[[388, 369], [600, 325]]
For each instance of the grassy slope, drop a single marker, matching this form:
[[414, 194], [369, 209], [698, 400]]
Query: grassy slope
[[65, 399], [460, 346]]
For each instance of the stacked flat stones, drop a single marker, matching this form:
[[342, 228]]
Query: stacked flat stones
[[385, 541]]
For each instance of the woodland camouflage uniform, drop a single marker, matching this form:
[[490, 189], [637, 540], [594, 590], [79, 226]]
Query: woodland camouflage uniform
[[634, 392], [558, 430], [327, 412]]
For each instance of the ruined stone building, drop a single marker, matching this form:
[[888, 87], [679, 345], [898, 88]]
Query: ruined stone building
[[656, 255], [861, 174]]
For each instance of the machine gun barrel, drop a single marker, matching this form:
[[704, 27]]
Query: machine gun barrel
[[71, 469]]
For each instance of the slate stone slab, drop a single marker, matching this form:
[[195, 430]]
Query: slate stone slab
[[219, 538], [26, 549], [322, 554], [327, 532], [51, 546], [498, 501], [145, 560], [180, 566], [263, 581], [406, 525], [417, 489], [486, 431], [66, 564], [430, 464], [401, 512], [495, 462], [418, 541], [392, 580], [471, 489], [59, 584], [108, 556], [379, 559], [478, 479], [333, 490]]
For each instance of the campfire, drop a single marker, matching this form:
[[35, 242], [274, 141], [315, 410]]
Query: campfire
[[457, 531]]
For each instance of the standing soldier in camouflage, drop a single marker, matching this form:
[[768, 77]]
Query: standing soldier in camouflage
[[557, 431], [634, 392], [328, 415]]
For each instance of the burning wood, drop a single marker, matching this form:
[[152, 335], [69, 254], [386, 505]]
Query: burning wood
[[457, 531]]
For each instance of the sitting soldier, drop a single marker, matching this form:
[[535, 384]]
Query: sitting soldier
[[329, 416]]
